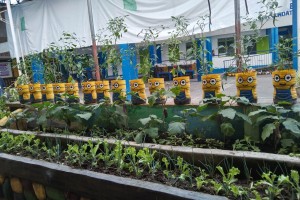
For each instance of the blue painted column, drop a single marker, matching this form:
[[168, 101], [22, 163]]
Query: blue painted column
[[198, 63], [37, 71], [158, 54], [208, 46], [273, 34], [295, 23], [152, 54], [129, 63]]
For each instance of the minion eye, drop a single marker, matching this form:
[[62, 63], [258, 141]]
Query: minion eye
[[150, 83], [250, 79], [182, 82], [175, 83], [88, 85], [213, 81], [204, 82], [101, 85], [276, 78], [240, 80], [43, 88], [135, 85], [288, 78], [156, 84], [57, 87], [20, 89], [71, 87], [31, 88], [116, 85]]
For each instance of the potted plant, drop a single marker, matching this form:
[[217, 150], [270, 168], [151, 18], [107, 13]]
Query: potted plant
[[102, 90], [22, 85], [89, 92], [156, 86], [138, 93], [72, 91], [184, 97], [119, 90], [284, 77]]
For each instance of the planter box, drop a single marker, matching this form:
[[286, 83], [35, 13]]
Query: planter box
[[90, 184]]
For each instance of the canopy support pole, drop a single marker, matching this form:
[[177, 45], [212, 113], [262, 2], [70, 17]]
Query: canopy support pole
[[238, 41], [13, 33], [94, 46]]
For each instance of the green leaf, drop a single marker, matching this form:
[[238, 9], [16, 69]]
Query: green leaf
[[261, 119], [176, 128], [227, 129], [85, 116], [295, 177], [287, 142], [145, 121], [251, 114], [244, 117], [228, 113], [139, 138], [296, 108], [292, 125], [152, 132], [267, 131]]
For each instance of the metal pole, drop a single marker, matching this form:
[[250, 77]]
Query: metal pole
[[94, 46], [13, 33], [238, 34]]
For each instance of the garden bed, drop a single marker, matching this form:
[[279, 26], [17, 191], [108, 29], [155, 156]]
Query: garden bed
[[91, 184]]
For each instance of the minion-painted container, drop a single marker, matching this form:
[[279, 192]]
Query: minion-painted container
[[137, 86], [211, 85], [72, 89], [185, 95], [284, 86], [35, 93], [102, 90], [47, 92], [246, 85], [89, 92], [59, 89], [156, 84], [119, 90], [24, 94]]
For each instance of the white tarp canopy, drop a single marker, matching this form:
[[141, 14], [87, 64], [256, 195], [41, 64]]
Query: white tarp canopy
[[40, 22]]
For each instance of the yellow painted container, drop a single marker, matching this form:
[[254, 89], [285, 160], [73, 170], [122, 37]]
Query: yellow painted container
[[185, 95], [211, 85], [102, 89], [39, 191], [284, 82], [16, 185], [246, 85], [59, 89], [35, 93], [156, 84], [72, 89], [119, 89], [47, 92], [138, 87], [24, 94], [89, 92]]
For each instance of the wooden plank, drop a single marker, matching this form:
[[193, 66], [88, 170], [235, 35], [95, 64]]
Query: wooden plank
[[92, 184]]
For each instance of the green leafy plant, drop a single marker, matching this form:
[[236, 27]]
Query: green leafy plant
[[246, 144], [151, 126]]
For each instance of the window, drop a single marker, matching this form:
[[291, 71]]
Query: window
[[226, 46], [189, 51]]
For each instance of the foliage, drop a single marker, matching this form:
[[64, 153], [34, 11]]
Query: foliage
[[151, 126], [276, 120], [245, 144]]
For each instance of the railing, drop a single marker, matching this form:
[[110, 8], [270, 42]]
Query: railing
[[256, 61]]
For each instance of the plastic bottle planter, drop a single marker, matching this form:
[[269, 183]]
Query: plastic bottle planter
[[284, 86], [211, 85], [72, 89], [246, 85], [185, 95], [59, 89], [156, 84], [24, 95], [137, 86], [102, 89], [119, 90], [47, 92], [35, 93], [89, 92]]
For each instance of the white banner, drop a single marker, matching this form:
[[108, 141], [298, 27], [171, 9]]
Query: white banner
[[41, 22]]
